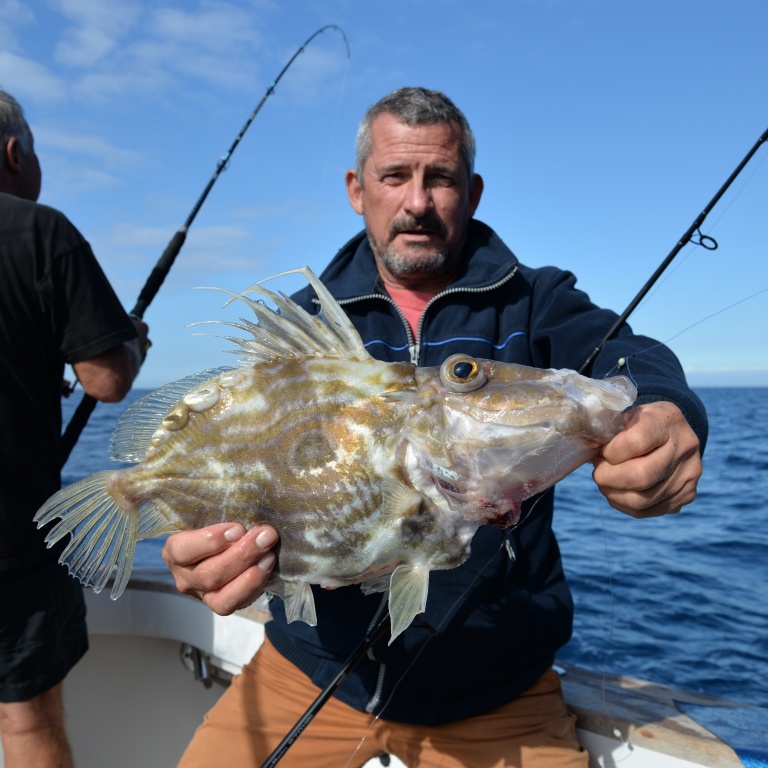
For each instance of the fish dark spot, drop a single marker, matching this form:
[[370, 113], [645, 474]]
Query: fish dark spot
[[411, 529], [312, 451], [418, 525]]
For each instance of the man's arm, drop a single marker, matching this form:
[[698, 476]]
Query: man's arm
[[109, 375]]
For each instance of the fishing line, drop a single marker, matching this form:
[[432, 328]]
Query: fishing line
[[331, 142], [709, 243], [611, 624], [165, 262], [692, 234], [622, 364]]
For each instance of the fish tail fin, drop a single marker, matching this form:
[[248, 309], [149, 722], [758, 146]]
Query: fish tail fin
[[408, 590], [104, 534]]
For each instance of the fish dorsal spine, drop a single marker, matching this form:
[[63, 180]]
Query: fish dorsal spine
[[292, 332]]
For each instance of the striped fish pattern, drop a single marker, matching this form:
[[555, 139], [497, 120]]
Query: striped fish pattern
[[373, 473]]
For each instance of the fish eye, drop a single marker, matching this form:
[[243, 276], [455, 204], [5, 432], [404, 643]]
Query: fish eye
[[461, 373]]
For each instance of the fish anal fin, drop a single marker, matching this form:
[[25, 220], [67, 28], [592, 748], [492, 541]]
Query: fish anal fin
[[408, 589], [299, 602]]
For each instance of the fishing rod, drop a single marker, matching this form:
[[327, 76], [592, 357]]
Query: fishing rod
[[165, 262], [694, 230]]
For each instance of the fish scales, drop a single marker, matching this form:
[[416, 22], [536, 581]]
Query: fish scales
[[373, 473]]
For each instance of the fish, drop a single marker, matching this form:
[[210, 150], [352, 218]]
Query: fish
[[373, 473]]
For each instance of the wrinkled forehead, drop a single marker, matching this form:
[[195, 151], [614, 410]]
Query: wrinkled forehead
[[391, 138]]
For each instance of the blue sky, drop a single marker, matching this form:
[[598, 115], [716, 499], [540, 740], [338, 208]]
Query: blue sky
[[604, 127]]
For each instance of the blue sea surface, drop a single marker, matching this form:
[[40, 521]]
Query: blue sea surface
[[680, 600]]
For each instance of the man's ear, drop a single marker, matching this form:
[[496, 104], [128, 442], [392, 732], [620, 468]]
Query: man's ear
[[13, 161], [476, 187], [354, 191]]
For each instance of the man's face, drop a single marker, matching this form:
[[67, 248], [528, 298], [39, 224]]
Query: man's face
[[417, 200]]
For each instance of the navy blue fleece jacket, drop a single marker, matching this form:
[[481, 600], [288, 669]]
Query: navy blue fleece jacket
[[493, 625]]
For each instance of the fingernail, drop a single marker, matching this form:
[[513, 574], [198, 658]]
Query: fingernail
[[233, 534], [266, 538], [266, 562]]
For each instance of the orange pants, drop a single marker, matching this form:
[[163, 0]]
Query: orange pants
[[265, 701]]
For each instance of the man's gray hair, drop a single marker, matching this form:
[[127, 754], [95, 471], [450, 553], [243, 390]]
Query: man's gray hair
[[13, 124], [415, 106]]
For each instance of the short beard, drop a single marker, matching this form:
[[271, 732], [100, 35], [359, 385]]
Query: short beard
[[431, 261]]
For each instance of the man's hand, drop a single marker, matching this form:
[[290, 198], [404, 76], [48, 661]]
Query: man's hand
[[652, 468], [223, 565]]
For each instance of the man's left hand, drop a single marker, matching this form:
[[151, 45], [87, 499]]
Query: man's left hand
[[651, 468]]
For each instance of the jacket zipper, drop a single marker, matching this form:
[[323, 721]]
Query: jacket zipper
[[414, 346], [449, 291]]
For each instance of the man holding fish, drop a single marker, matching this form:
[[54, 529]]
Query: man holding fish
[[470, 682]]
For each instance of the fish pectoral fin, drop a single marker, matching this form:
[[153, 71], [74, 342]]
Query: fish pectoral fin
[[299, 602], [399, 500], [408, 590]]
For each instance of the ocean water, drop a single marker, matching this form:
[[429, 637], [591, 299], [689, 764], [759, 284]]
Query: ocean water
[[680, 600]]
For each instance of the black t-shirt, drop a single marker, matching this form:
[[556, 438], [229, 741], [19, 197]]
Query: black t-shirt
[[56, 307]]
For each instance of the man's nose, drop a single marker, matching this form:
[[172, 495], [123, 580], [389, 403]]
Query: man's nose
[[419, 198]]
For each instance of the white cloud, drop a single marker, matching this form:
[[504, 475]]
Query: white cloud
[[142, 48], [128, 82], [13, 13], [214, 26], [89, 145], [136, 48], [26, 78], [207, 249], [96, 29], [215, 42]]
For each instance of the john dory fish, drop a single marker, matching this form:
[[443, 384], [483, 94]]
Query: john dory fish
[[373, 473]]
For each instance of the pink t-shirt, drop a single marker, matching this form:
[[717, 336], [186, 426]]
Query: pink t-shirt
[[410, 303]]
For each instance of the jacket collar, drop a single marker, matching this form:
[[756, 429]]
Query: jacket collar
[[352, 271]]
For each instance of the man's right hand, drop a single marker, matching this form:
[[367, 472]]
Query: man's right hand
[[223, 565]]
